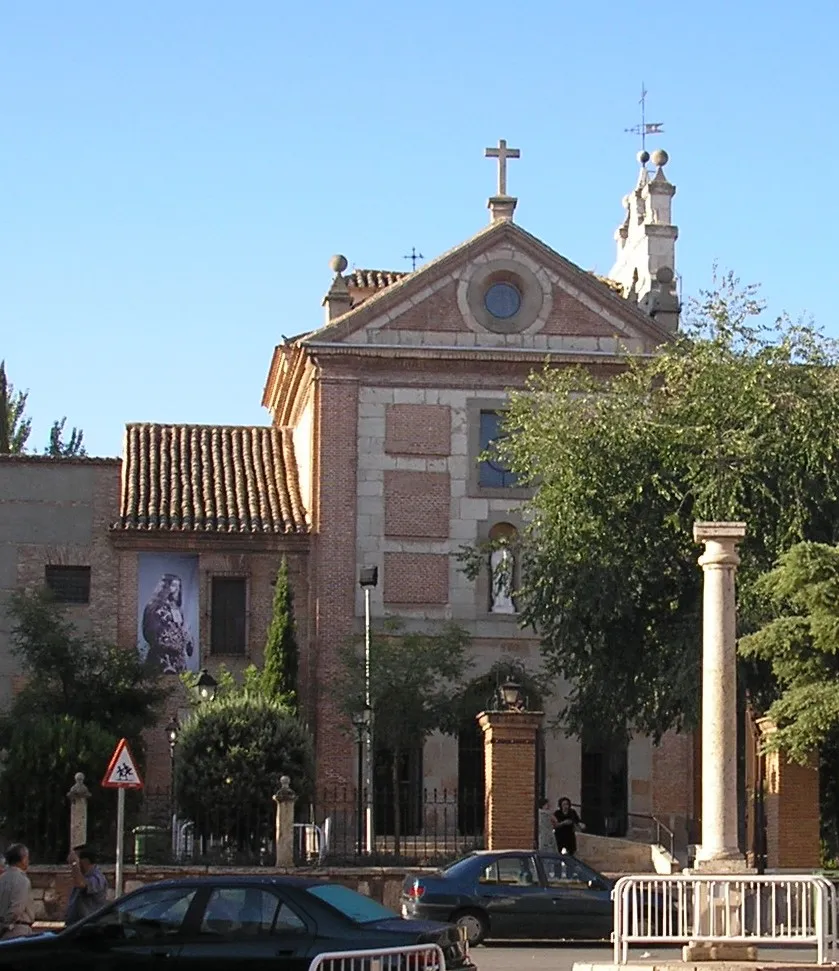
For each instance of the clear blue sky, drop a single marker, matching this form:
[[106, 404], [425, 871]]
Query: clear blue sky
[[175, 175]]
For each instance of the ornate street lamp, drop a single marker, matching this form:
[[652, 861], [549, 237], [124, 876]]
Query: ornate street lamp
[[511, 697], [206, 686], [172, 730]]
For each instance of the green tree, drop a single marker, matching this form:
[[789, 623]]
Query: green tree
[[279, 670], [800, 643], [231, 755], [44, 753], [14, 426], [71, 674], [731, 420], [58, 448], [416, 680]]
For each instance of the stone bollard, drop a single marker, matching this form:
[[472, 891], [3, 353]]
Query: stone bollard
[[78, 796], [284, 831]]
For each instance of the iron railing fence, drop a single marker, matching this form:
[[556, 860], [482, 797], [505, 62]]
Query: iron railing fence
[[425, 827]]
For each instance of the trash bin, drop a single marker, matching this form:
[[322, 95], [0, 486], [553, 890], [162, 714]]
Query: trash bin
[[151, 844]]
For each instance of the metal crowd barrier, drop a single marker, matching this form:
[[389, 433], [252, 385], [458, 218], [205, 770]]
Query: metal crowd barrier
[[419, 957], [684, 908]]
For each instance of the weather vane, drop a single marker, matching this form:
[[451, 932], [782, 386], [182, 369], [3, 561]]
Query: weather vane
[[646, 127], [413, 256]]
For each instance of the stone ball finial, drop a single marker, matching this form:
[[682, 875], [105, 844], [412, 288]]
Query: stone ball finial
[[79, 777], [660, 158], [643, 157], [285, 781], [664, 274], [338, 263]]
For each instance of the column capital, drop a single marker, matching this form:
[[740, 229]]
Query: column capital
[[720, 532]]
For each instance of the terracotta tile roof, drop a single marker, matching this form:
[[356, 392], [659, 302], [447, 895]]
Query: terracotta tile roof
[[373, 279], [207, 478]]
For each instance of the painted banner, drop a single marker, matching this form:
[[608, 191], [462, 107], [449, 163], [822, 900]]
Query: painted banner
[[167, 611]]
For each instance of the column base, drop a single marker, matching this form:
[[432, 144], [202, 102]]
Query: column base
[[719, 952], [723, 865]]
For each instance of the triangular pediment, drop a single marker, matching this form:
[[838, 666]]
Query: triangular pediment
[[539, 300]]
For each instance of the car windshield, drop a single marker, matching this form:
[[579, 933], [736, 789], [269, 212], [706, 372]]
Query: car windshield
[[354, 905]]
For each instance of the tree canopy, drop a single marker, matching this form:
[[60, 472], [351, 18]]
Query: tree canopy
[[733, 419], [800, 643], [232, 753], [73, 674], [16, 427]]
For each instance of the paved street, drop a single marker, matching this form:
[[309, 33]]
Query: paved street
[[536, 957]]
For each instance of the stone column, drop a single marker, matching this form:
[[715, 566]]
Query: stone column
[[510, 773], [719, 849], [78, 796], [284, 797]]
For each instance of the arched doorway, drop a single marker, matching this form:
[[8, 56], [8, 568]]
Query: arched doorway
[[471, 786]]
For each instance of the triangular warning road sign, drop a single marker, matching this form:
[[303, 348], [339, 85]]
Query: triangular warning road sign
[[122, 772]]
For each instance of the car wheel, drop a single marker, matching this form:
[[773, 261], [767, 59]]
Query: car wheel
[[474, 923]]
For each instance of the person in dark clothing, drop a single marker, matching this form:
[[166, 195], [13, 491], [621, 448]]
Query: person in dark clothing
[[566, 822]]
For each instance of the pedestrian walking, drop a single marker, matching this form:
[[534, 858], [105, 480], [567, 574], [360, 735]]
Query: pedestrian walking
[[17, 912], [566, 823], [90, 888], [547, 840]]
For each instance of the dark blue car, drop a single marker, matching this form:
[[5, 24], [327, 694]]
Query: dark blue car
[[515, 894]]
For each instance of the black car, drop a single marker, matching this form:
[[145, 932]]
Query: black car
[[515, 894], [209, 923]]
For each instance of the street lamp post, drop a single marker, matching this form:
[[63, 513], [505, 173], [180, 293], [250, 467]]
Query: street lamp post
[[367, 580], [172, 730], [205, 686], [360, 722]]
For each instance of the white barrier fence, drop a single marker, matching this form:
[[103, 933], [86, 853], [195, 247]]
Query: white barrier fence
[[420, 957], [682, 908]]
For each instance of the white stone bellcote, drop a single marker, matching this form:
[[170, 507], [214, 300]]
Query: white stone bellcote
[[645, 264]]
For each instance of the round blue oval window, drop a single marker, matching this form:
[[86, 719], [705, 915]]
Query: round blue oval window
[[502, 300]]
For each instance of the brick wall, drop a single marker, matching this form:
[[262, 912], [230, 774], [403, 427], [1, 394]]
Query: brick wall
[[792, 813], [416, 578], [417, 504], [417, 429]]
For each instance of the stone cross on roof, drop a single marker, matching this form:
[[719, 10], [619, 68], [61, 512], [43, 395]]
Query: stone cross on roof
[[502, 153]]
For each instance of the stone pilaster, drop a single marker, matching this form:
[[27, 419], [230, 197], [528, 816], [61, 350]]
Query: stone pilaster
[[719, 850], [510, 772]]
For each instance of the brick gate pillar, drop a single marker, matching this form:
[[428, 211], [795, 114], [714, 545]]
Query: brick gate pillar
[[510, 773], [791, 807]]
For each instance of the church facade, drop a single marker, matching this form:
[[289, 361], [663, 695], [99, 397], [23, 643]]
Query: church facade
[[373, 458]]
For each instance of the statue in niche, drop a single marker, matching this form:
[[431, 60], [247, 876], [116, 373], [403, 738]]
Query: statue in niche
[[502, 571]]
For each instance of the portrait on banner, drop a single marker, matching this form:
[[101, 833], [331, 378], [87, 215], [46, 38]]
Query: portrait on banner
[[167, 611]]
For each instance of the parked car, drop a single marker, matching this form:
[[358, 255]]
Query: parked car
[[214, 923], [515, 894]]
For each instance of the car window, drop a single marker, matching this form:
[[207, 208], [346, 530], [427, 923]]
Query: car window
[[563, 871], [354, 905], [151, 914], [242, 912], [511, 871]]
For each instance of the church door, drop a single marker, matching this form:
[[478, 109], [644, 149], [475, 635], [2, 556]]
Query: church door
[[470, 779], [604, 789]]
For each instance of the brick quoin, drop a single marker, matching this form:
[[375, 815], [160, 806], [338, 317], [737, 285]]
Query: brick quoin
[[334, 570]]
